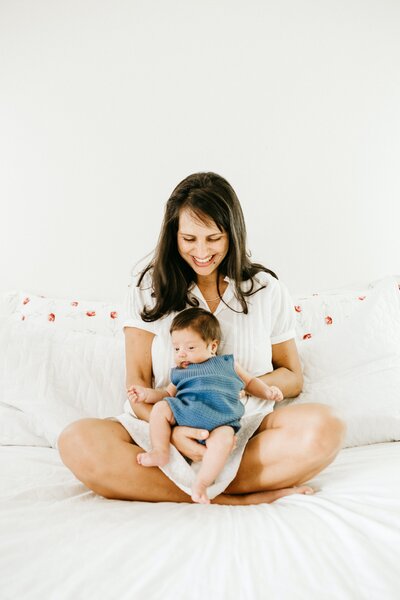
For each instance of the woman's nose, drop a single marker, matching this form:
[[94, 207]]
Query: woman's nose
[[201, 250]]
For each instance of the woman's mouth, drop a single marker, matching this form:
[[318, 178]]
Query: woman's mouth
[[203, 262]]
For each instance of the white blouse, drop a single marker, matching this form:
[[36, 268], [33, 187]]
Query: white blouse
[[270, 320]]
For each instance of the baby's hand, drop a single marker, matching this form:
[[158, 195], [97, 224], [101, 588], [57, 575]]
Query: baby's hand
[[274, 393], [137, 393]]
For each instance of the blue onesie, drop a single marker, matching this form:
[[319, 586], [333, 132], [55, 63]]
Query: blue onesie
[[207, 394]]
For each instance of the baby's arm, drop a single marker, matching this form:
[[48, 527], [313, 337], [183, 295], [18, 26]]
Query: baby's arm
[[256, 387], [138, 393]]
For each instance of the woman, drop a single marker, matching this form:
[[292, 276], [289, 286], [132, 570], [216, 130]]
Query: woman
[[201, 259]]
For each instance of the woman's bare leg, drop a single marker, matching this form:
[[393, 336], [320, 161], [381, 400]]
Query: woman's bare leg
[[292, 445], [102, 455]]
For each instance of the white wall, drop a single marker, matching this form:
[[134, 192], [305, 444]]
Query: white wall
[[106, 106]]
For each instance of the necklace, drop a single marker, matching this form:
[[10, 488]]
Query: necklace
[[212, 299]]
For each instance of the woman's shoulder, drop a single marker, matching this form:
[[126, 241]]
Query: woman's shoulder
[[261, 280]]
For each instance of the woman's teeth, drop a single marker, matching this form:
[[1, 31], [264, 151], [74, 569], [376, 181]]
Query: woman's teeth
[[203, 261]]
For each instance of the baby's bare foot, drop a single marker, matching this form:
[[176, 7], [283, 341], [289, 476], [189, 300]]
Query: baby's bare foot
[[199, 493], [154, 458]]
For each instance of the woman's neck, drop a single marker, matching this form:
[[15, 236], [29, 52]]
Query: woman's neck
[[208, 282]]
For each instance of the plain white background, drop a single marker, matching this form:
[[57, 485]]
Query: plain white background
[[106, 106]]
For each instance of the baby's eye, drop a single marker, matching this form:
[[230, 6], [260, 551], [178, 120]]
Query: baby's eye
[[191, 347]]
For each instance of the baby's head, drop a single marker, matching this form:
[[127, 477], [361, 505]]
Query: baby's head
[[195, 335]]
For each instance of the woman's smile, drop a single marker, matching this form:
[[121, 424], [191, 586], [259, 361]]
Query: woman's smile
[[203, 262]]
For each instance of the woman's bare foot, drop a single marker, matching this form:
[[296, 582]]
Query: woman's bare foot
[[154, 458], [199, 493], [261, 497]]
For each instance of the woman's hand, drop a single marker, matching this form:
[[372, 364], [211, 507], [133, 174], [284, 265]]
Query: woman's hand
[[185, 440]]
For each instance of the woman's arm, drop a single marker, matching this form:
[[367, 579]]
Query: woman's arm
[[138, 364], [287, 374]]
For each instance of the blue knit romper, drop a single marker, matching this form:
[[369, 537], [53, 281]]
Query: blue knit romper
[[207, 394]]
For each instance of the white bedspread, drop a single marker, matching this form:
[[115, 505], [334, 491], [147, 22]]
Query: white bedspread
[[60, 541]]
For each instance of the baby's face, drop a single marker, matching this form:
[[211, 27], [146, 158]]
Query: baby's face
[[189, 348]]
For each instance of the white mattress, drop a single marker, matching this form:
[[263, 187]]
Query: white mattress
[[60, 541]]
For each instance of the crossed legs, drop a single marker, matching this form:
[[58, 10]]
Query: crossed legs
[[292, 445]]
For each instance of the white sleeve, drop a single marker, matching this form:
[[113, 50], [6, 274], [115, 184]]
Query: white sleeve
[[135, 300], [283, 318]]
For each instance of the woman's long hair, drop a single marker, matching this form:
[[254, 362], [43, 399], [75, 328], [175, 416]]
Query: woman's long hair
[[209, 197]]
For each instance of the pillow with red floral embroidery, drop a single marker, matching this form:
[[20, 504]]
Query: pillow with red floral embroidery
[[324, 310], [69, 314], [353, 365]]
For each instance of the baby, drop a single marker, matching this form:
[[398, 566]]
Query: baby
[[204, 393]]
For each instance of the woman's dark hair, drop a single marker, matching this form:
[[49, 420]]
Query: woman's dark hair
[[201, 321], [210, 198]]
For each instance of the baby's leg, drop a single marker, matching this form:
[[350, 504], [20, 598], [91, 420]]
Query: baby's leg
[[219, 446], [161, 419]]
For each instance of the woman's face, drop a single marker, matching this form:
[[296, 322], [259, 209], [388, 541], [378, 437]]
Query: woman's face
[[203, 246]]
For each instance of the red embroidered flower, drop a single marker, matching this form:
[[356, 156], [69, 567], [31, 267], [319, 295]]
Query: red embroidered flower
[[113, 315], [26, 301], [328, 320], [297, 308], [362, 297], [91, 313], [74, 303], [52, 317], [307, 336]]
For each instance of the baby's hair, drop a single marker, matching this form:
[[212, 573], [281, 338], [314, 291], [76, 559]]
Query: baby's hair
[[200, 320]]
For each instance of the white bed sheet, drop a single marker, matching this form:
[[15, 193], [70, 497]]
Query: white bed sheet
[[60, 541]]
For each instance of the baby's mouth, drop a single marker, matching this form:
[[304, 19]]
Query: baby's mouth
[[184, 364]]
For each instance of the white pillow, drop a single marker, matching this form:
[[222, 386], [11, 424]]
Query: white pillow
[[16, 429], [69, 314], [353, 365], [58, 376]]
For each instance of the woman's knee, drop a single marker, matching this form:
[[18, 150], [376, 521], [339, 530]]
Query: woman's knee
[[325, 431], [79, 445]]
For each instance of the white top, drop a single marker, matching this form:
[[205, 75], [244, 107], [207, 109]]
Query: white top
[[270, 320]]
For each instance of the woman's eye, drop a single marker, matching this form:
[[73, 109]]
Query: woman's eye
[[191, 240]]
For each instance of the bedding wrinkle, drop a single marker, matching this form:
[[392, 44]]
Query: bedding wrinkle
[[338, 543]]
